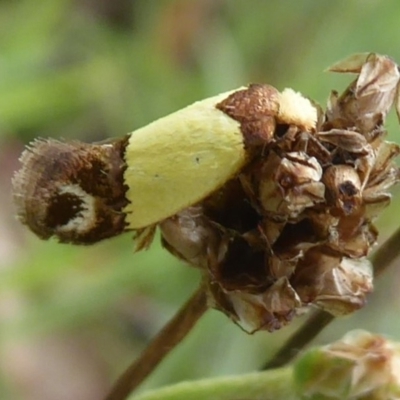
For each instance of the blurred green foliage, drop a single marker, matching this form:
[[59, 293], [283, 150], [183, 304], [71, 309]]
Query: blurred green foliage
[[90, 70]]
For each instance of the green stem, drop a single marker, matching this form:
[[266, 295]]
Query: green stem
[[269, 385]]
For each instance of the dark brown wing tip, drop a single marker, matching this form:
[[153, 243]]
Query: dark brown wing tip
[[71, 190], [29, 187]]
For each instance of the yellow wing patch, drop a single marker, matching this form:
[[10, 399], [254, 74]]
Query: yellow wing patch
[[179, 159]]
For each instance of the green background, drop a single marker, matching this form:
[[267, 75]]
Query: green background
[[71, 319]]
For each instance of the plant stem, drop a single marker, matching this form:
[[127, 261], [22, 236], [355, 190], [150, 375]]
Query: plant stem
[[271, 385], [382, 259], [387, 253], [304, 335], [171, 335]]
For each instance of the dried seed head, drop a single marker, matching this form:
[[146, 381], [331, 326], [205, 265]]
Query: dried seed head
[[294, 228]]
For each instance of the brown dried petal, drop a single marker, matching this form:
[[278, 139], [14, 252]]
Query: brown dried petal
[[381, 187], [334, 117], [312, 171], [268, 311], [364, 166], [270, 230], [352, 63], [290, 184], [336, 284], [350, 141], [379, 78], [343, 188], [367, 101], [190, 237], [322, 222], [384, 153], [295, 239], [353, 237], [280, 267], [269, 196], [310, 144], [307, 278], [373, 207]]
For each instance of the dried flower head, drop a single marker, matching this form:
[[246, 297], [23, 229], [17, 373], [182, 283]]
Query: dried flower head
[[293, 229]]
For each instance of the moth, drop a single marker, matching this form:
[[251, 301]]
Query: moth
[[82, 193]]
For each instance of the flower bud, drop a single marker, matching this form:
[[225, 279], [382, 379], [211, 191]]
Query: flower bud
[[361, 366]]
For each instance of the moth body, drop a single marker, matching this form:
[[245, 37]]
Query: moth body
[[82, 193]]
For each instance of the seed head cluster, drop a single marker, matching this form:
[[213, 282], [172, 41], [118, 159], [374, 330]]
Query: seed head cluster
[[294, 228]]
